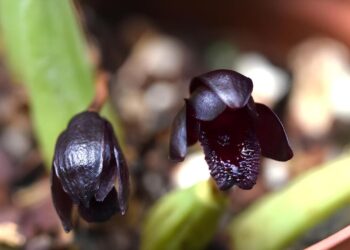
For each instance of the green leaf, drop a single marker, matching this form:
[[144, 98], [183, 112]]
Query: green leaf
[[278, 219], [46, 50], [9, 16], [184, 219]]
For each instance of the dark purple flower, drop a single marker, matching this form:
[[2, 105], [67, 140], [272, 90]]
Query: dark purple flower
[[233, 130], [87, 163]]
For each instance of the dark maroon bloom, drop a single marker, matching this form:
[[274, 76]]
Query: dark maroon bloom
[[87, 163], [233, 130]]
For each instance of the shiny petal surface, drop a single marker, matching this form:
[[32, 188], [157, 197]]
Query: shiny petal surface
[[100, 211], [109, 172], [231, 149], [62, 203], [107, 180], [178, 137], [79, 156], [233, 88], [184, 132], [192, 125], [122, 177], [206, 104], [272, 137]]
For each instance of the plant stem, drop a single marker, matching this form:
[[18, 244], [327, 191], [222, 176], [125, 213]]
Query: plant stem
[[101, 92]]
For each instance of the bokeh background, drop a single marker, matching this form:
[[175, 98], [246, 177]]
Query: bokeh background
[[297, 54]]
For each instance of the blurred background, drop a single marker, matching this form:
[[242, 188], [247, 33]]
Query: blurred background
[[297, 54]]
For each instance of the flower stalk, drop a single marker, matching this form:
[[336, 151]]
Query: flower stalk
[[184, 219], [101, 92]]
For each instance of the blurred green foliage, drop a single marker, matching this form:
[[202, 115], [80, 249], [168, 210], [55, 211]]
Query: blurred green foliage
[[47, 52], [278, 219], [184, 219]]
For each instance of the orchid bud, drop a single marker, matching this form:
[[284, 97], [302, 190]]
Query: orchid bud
[[87, 163]]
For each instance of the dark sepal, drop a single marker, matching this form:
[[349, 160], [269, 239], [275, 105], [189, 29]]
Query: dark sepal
[[206, 104], [100, 211], [233, 88], [272, 137], [184, 132], [109, 172], [178, 137], [62, 203], [122, 178]]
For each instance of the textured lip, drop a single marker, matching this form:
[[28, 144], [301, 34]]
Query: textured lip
[[231, 149]]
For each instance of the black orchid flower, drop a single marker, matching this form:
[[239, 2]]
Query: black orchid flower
[[87, 163], [233, 130]]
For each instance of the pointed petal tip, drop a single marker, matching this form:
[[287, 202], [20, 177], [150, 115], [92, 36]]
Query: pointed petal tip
[[61, 201], [123, 210], [287, 155], [67, 227], [174, 157]]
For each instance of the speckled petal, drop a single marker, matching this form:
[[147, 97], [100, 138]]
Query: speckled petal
[[272, 137], [100, 211], [233, 88], [231, 149], [206, 104], [62, 203]]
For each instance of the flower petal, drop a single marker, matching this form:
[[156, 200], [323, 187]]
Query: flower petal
[[206, 104], [272, 137], [107, 179], [231, 149], [184, 132], [100, 211], [109, 172], [79, 156], [192, 125], [62, 203], [233, 88], [178, 137], [122, 178]]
